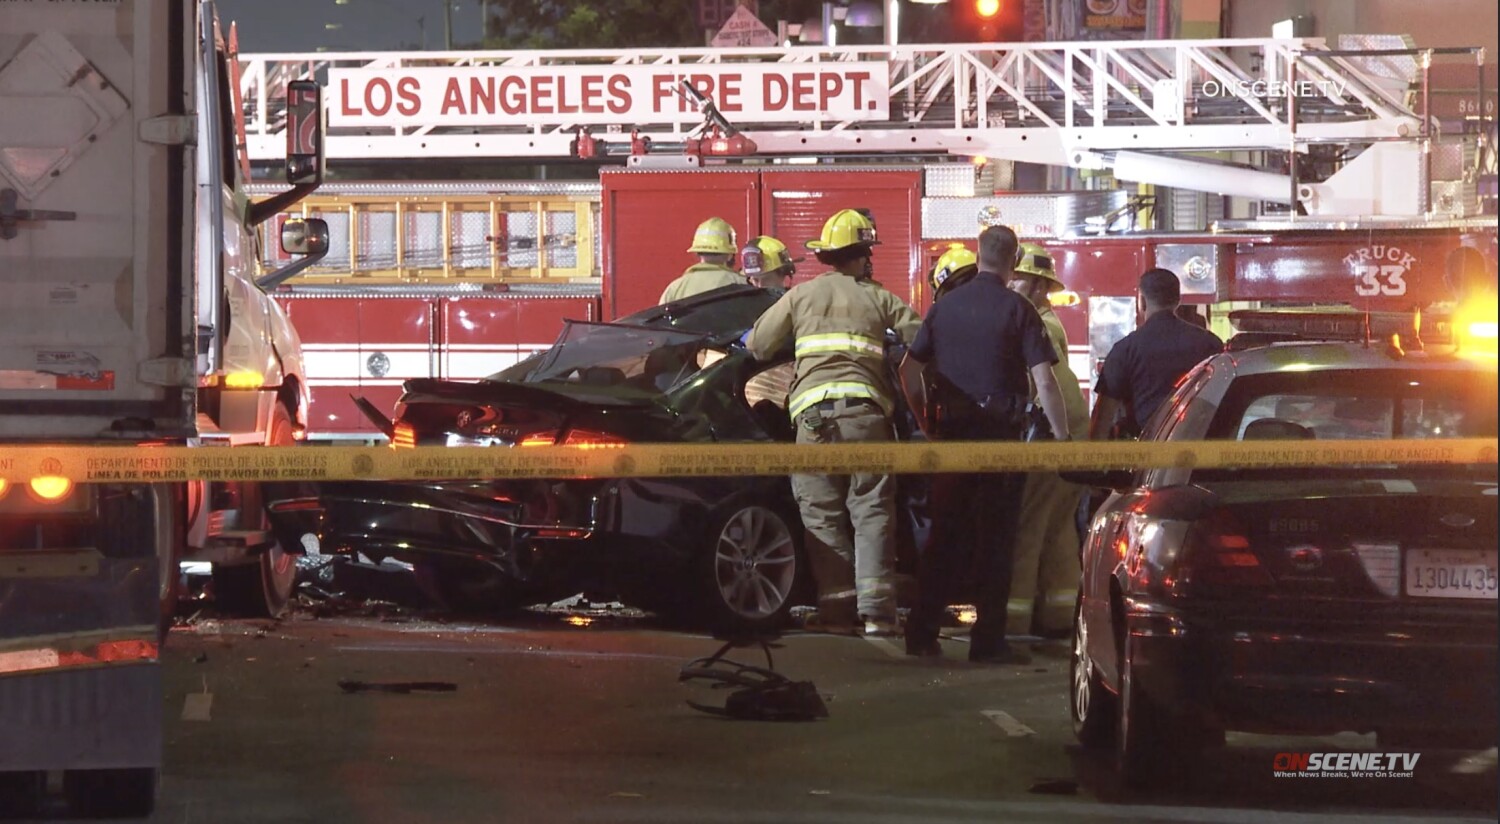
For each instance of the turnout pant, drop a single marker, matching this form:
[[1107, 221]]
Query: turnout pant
[[968, 550], [850, 519], [1044, 580]]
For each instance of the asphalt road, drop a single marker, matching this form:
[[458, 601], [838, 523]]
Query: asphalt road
[[556, 722]]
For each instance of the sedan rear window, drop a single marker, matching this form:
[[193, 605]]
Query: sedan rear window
[[1359, 405]]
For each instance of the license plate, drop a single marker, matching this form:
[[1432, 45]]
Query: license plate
[[1451, 573]]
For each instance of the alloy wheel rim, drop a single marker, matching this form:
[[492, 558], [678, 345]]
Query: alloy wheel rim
[[1082, 667], [755, 563]]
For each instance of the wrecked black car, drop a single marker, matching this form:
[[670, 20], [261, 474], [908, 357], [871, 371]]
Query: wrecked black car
[[721, 552]]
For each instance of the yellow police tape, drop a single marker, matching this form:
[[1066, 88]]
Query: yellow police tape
[[328, 463]]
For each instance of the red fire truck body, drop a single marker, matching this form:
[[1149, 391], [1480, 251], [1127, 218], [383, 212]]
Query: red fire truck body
[[364, 338], [367, 342]]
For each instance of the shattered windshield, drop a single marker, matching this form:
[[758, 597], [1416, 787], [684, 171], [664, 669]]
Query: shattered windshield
[[616, 355]]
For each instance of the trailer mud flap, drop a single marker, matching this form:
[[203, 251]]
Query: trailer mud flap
[[104, 717], [80, 682]]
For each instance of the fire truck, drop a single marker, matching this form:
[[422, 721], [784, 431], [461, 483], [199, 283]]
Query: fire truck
[[1366, 179]]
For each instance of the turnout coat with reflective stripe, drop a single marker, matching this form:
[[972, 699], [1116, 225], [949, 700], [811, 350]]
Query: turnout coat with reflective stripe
[[837, 326], [700, 278]]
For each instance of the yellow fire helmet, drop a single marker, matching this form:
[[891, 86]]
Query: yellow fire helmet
[[714, 237], [953, 262], [765, 254], [846, 228], [1036, 260]]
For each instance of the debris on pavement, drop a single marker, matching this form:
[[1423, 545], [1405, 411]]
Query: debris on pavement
[[400, 687], [1054, 786]]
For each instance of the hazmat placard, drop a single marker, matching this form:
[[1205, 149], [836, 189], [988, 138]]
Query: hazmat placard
[[743, 29]]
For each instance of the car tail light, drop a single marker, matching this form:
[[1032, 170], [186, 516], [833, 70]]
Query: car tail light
[[591, 439], [403, 435], [1218, 555], [540, 439], [50, 488], [4, 487], [582, 438]]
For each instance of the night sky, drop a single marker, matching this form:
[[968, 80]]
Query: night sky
[[363, 25]]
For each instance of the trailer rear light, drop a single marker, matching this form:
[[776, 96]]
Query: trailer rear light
[[562, 533], [403, 435], [244, 380], [50, 488]]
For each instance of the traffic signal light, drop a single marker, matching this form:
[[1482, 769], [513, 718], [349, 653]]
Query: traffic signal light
[[986, 21]]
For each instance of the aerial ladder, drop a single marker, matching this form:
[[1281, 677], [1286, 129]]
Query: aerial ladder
[[1325, 131]]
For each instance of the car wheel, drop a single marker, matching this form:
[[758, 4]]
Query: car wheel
[[1141, 743], [262, 588], [129, 793], [748, 579], [469, 588], [1153, 746], [1094, 706]]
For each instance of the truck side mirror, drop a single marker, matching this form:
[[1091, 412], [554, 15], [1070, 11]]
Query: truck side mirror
[[305, 237], [304, 133], [304, 150]]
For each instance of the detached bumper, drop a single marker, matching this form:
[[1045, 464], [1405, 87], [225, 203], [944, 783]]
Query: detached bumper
[[1305, 677]]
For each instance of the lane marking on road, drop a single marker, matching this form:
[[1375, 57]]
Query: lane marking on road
[[1007, 722], [1478, 762], [544, 653], [887, 646]]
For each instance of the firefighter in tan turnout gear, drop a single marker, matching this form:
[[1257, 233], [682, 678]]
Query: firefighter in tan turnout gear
[[713, 242], [766, 263], [1044, 579], [837, 323]]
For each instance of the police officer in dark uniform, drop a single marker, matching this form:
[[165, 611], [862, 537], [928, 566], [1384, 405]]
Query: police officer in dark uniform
[[1143, 367], [978, 347]]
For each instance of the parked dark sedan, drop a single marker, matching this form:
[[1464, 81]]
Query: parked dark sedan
[[722, 551], [1296, 601]]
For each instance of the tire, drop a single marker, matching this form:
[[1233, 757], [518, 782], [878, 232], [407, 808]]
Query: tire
[[1154, 747], [171, 509], [261, 588], [129, 793], [747, 578], [21, 793], [1095, 708]]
